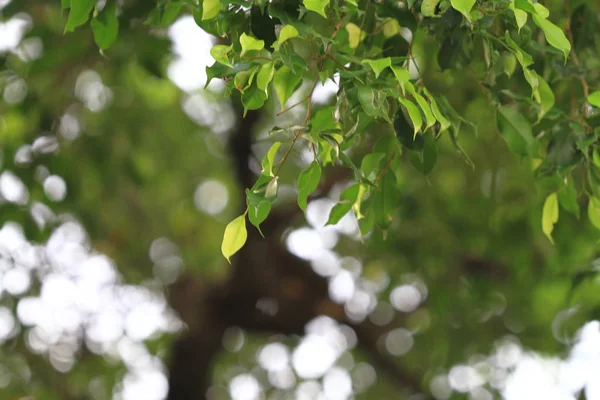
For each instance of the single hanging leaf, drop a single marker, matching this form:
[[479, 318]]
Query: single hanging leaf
[[308, 181], [594, 99], [413, 113], [317, 6], [429, 116], [594, 211], [441, 118], [391, 27], [554, 35], [378, 65], [259, 213], [265, 76], [547, 99], [285, 83], [402, 75], [550, 215], [220, 53], [79, 13], [269, 159], [105, 26], [516, 130], [386, 201], [464, 7], [235, 237], [347, 200], [520, 15], [567, 197], [210, 9], [287, 32], [249, 43], [355, 35]]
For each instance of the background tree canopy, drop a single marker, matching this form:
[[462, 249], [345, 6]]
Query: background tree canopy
[[407, 192]]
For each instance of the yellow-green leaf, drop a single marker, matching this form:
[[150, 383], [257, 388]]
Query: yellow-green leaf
[[547, 99], [220, 53], [269, 159], [391, 27], [287, 32], [413, 113], [235, 237], [249, 43], [429, 117], [317, 6], [554, 35], [402, 75], [594, 98], [464, 7], [594, 211], [265, 76], [550, 215], [378, 65], [444, 123], [428, 8], [285, 83], [520, 15], [210, 9], [355, 35]]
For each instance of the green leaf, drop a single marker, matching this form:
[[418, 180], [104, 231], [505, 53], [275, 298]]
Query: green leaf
[[235, 237], [249, 43], [210, 9], [516, 130], [554, 35], [317, 6], [220, 53], [567, 198], [413, 113], [79, 13], [371, 165], [347, 200], [594, 98], [265, 76], [464, 7], [269, 159], [547, 99], [65, 4], [594, 211], [541, 10], [520, 15], [523, 57], [441, 118], [253, 98], [429, 116], [378, 65], [308, 181], [372, 101], [164, 15], [386, 200], [287, 32], [285, 83], [402, 75], [257, 214], [550, 215], [425, 160], [105, 26]]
